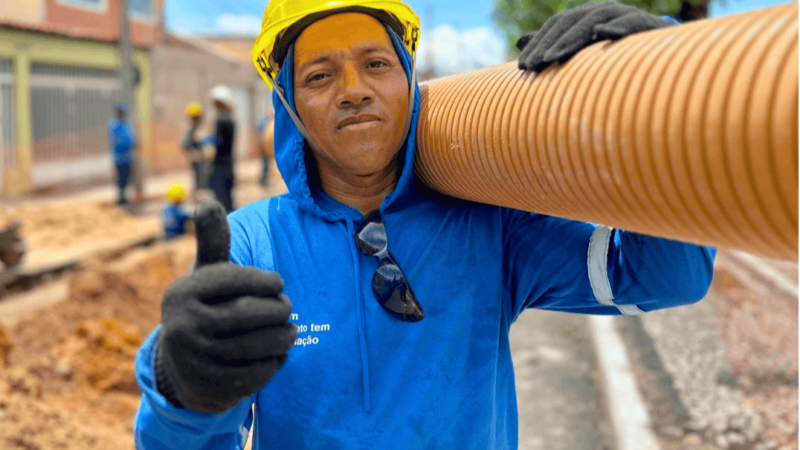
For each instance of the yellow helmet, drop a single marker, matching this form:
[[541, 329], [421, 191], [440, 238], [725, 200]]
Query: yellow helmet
[[176, 193], [194, 110], [280, 15]]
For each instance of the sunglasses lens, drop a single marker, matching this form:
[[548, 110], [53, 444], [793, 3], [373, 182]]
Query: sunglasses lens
[[387, 279], [372, 239], [391, 290]]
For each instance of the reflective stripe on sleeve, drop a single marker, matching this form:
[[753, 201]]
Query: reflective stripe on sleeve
[[597, 261]]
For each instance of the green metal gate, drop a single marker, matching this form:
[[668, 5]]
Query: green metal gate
[[8, 118], [70, 107]]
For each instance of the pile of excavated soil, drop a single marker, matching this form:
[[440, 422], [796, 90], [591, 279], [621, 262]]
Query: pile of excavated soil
[[6, 217], [30, 424], [101, 353], [70, 382], [5, 345], [129, 290]]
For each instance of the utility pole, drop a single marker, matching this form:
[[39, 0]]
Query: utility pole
[[126, 77]]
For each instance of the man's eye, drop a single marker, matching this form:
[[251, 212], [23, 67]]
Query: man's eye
[[317, 77], [377, 64]]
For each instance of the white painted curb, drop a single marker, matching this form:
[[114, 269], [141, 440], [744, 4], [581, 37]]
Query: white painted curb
[[764, 270], [629, 417]]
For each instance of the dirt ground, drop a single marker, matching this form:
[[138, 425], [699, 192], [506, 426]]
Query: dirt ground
[[69, 382], [59, 232], [48, 226], [55, 232]]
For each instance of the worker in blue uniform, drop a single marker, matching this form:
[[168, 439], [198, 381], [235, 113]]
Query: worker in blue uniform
[[402, 298], [122, 141]]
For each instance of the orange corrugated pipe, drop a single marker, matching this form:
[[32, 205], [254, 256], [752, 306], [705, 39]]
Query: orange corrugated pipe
[[687, 132]]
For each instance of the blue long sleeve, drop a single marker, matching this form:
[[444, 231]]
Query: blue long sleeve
[[122, 139], [563, 265], [161, 426]]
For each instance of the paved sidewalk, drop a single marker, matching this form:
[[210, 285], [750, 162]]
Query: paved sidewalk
[[559, 398], [689, 346]]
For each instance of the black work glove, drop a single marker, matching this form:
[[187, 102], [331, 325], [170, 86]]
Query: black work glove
[[569, 32], [225, 327]]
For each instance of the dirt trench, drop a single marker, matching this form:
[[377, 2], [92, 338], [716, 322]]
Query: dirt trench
[[67, 377], [67, 348]]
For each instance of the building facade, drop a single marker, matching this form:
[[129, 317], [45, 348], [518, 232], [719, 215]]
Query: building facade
[[59, 82]]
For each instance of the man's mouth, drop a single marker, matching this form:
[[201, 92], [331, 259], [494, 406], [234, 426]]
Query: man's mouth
[[358, 121]]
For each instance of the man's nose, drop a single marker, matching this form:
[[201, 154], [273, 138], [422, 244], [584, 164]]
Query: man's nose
[[354, 91]]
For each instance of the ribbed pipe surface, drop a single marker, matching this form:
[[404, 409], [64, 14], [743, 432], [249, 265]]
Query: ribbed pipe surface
[[688, 133]]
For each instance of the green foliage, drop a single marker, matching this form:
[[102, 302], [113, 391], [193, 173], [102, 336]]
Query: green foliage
[[516, 17]]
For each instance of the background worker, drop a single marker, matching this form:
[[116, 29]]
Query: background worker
[[173, 216], [122, 141], [193, 147], [222, 175], [402, 298]]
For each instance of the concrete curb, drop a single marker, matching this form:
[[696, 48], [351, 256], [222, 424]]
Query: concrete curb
[[629, 416]]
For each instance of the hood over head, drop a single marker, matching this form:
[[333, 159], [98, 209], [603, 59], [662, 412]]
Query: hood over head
[[296, 161]]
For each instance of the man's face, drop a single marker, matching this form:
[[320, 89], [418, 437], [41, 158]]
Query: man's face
[[351, 92]]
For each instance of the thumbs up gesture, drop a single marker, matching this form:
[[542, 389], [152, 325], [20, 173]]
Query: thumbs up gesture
[[225, 327]]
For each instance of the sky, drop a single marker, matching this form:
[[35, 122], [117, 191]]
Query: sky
[[462, 30]]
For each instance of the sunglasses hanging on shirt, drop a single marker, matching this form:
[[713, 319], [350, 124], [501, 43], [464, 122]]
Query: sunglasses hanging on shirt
[[389, 285]]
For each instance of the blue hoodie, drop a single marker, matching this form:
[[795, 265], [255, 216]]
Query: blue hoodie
[[357, 378]]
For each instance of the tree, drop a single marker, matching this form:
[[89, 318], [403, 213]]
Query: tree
[[516, 17]]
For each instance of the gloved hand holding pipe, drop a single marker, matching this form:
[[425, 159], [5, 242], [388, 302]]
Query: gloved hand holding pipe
[[686, 132]]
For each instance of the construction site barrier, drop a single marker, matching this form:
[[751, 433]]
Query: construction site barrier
[[686, 132]]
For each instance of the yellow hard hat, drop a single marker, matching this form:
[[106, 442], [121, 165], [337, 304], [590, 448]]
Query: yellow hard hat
[[176, 193], [280, 15], [194, 110]]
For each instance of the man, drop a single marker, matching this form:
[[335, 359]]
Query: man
[[193, 147], [122, 140], [222, 176], [402, 298]]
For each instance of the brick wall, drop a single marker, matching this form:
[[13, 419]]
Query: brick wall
[[104, 21], [183, 73]]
